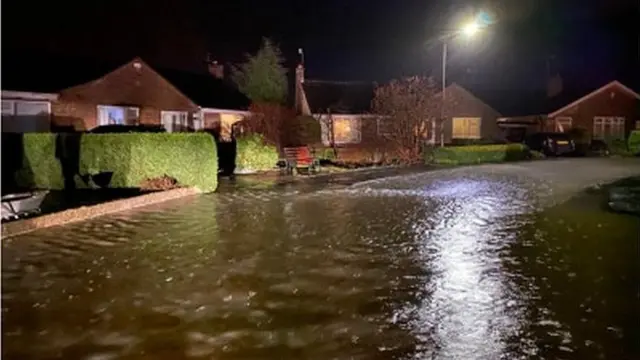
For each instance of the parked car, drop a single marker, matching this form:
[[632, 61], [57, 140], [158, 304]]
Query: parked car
[[105, 129], [551, 144]]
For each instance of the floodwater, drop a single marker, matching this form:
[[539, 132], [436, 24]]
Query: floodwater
[[475, 263]]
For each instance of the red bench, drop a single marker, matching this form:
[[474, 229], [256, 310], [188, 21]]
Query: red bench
[[299, 158]]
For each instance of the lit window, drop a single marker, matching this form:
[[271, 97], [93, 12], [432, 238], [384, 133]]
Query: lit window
[[608, 127], [346, 130], [117, 115], [466, 128], [563, 123]]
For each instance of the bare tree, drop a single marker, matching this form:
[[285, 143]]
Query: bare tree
[[407, 108], [268, 120]]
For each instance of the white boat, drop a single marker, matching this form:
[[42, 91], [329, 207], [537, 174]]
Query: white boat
[[23, 204]]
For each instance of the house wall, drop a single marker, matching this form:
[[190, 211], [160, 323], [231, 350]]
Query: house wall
[[133, 84], [464, 104], [611, 102], [368, 129], [372, 147]]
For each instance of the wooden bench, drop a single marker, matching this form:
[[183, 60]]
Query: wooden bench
[[299, 158]]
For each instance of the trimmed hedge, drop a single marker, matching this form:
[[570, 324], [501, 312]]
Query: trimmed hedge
[[634, 142], [190, 158], [255, 154], [477, 154]]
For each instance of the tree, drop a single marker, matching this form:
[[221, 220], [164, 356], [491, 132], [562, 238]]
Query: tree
[[407, 107], [263, 77], [268, 120]]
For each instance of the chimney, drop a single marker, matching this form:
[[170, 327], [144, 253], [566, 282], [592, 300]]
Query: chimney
[[298, 88], [216, 69]]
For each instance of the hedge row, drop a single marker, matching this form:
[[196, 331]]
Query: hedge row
[[477, 154], [255, 154], [190, 158], [634, 142]]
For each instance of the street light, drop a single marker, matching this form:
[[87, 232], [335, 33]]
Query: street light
[[468, 30]]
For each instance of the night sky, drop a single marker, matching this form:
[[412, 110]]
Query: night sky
[[588, 41]]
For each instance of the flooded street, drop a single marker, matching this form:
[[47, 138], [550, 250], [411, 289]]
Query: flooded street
[[486, 262]]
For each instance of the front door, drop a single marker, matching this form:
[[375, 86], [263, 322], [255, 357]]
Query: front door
[[174, 120]]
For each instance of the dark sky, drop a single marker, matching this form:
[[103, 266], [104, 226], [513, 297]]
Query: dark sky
[[592, 40]]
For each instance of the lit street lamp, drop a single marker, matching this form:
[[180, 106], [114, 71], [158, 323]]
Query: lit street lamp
[[468, 30]]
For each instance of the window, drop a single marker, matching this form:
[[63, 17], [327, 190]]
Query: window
[[563, 123], [608, 127], [174, 120], [637, 124], [7, 107], [346, 130], [117, 115], [466, 128]]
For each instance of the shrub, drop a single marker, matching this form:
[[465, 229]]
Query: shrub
[[40, 167], [326, 153], [255, 154], [302, 130], [618, 147], [477, 154], [634, 142], [132, 158], [537, 155]]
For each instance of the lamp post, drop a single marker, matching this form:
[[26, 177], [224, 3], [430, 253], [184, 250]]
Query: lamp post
[[468, 30]]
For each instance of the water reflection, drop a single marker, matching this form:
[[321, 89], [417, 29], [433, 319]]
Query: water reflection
[[411, 267]]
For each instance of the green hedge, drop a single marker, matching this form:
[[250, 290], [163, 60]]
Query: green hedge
[[190, 158], [255, 154], [477, 154], [40, 167], [634, 142]]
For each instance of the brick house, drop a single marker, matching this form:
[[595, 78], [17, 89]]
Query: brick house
[[133, 93], [467, 118], [610, 111], [344, 112]]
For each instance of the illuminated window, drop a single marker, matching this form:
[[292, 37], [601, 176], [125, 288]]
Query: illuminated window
[[346, 130], [466, 128], [608, 127], [563, 123], [117, 115]]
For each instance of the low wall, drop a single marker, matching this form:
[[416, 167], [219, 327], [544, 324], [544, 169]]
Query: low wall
[[88, 212]]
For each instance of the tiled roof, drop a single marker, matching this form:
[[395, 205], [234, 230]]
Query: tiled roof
[[338, 97], [51, 74]]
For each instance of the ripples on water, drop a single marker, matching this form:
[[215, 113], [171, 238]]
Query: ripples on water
[[410, 267]]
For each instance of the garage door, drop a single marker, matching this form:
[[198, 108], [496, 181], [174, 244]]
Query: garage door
[[25, 116]]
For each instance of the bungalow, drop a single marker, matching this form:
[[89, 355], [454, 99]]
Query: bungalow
[[135, 93], [467, 118], [610, 111], [343, 109]]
